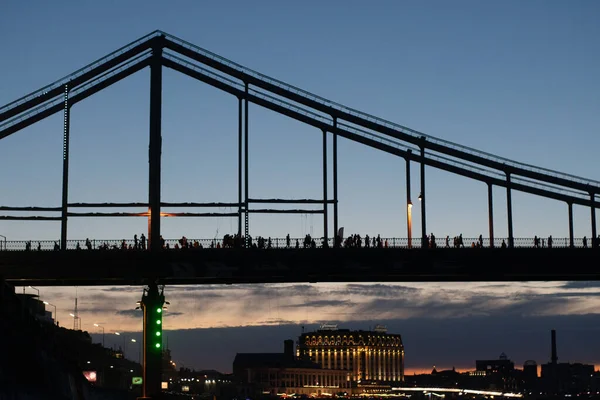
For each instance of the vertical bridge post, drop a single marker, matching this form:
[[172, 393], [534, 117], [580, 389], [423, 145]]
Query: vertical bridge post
[[155, 148], [335, 185], [422, 198], [65, 180], [509, 211], [491, 213], [571, 238], [325, 215], [247, 216], [240, 168], [408, 201], [593, 209]]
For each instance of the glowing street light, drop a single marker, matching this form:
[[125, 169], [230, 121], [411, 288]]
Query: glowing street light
[[101, 327], [55, 314]]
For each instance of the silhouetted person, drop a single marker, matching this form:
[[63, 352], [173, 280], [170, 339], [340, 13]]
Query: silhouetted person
[[56, 246], [480, 240], [39, 248], [432, 238], [585, 242], [297, 244], [78, 247], [503, 244], [536, 241], [550, 241], [88, 244], [287, 241], [135, 242], [447, 241], [143, 242], [162, 242]]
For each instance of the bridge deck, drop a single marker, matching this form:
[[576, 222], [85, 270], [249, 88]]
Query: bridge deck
[[241, 266]]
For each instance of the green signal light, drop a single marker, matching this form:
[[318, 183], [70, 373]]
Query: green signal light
[[157, 345], [159, 310], [157, 333], [158, 322]]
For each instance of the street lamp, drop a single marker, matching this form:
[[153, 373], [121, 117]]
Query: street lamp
[[37, 290], [55, 314], [101, 327], [139, 350]]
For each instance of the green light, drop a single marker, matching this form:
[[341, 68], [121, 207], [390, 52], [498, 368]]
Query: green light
[[157, 333], [157, 345], [159, 310], [158, 322]]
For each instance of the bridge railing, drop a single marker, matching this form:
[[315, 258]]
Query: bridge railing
[[282, 243]]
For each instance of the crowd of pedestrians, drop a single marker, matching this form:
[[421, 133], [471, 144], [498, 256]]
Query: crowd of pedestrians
[[353, 241]]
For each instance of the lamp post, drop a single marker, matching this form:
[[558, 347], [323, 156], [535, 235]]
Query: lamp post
[[101, 327], [124, 342], [37, 290], [139, 350], [55, 314]]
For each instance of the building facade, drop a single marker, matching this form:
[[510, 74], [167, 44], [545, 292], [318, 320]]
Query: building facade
[[372, 356]]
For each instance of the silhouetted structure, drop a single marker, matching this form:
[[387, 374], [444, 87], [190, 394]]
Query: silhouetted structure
[[273, 373], [565, 378]]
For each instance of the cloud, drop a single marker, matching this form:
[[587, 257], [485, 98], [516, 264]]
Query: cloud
[[130, 313], [321, 303], [581, 285]]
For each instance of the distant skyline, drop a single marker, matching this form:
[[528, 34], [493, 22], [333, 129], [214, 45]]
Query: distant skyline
[[513, 78], [442, 324]]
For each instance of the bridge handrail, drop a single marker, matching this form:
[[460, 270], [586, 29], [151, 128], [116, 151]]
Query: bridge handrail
[[64, 80], [281, 243], [381, 121]]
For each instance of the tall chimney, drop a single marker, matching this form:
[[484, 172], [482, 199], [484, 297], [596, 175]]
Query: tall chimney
[[554, 356]]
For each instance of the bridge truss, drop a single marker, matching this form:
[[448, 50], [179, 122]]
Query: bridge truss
[[158, 49]]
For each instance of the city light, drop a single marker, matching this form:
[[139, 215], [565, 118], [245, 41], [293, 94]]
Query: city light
[[133, 340], [118, 333]]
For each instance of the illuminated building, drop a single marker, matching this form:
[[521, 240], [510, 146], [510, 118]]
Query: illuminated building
[[368, 356]]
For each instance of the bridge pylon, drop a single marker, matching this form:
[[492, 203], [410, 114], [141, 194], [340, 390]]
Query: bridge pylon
[[151, 304]]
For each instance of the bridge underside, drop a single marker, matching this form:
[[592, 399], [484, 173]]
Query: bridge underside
[[232, 266]]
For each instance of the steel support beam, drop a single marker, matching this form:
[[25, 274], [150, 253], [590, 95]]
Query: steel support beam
[[571, 238], [247, 216], [240, 167], [491, 213], [335, 184], [325, 216], [408, 203], [511, 239], [65, 180], [155, 147], [594, 233], [422, 197]]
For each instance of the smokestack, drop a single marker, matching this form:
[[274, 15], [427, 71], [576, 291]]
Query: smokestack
[[288, 349], [554, 356]]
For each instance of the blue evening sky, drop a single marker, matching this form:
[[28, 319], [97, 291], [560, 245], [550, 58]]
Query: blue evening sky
[[518, 79]]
